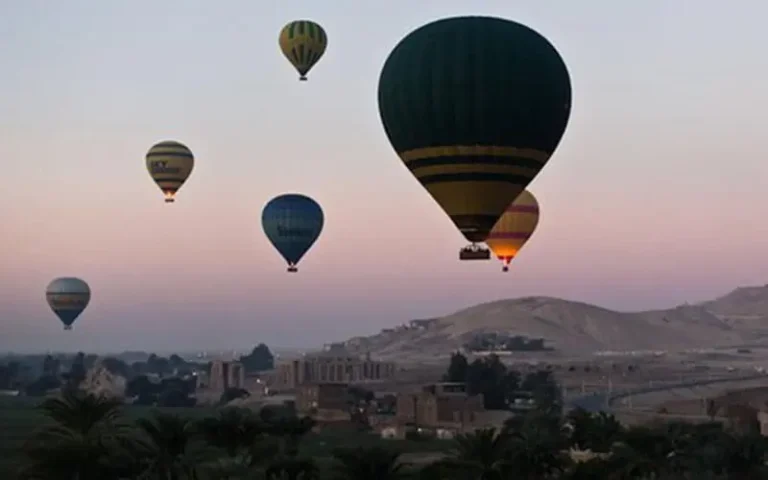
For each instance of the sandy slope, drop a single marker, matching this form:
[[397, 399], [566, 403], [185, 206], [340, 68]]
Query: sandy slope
[[740, 317]]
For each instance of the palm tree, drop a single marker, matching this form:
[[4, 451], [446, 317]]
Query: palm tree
[[243, 437], [592, 469], [595, 432], [80, 412], [535, 454], [578, 423], [290, 431], [481, 455], [235, 431], [544, 422], [712, 408], [373, 463], [85, 442], [291, 468], [746, 456], [168, 450], [439, 470]]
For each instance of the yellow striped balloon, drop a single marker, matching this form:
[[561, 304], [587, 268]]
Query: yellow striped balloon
[[514, 228], [303, 42], [170, 164]]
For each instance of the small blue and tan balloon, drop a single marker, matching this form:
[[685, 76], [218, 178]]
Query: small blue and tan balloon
[[68, 297], [292, 223]]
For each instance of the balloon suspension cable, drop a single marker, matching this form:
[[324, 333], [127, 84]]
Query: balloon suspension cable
[[505, 267]]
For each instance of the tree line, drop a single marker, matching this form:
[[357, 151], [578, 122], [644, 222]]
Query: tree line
[[501, 386], [90, 439], [160, 381]]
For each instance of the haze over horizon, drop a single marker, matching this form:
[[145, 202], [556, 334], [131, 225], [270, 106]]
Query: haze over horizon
[[656, 195]]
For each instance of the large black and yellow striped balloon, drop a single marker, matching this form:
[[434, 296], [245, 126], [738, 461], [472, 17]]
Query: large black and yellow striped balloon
[[170, 164], [474, 107], [303, 42]]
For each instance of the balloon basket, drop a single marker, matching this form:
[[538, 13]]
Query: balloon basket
[[302, 78], [67, 327], [168, 200], [505, 268], [292, 269], [474, 252]]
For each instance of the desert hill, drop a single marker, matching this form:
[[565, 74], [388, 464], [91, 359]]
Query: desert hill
[[745, 306], [578, 328]]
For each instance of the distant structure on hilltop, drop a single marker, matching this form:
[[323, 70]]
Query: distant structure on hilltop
[[332, 365], [422, 324], [494, 342]]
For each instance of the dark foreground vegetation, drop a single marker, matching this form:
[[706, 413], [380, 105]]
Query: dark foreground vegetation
[[88, 438]]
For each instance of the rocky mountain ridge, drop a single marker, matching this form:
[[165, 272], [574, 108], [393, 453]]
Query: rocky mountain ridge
[[571, 327]]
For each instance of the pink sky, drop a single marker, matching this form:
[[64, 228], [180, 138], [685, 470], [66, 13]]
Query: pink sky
[[657, 195]]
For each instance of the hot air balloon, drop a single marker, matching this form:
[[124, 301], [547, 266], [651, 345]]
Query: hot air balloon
[[68, 297], [474, 107], [514, 228], [170, 164], [303, 42], [292, 222]]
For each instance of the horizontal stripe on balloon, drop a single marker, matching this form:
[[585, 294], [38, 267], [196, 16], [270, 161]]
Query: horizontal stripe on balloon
[[538, 156], [523, 209], [68, 308], [475, 160], [154, 154], [476, 177], [509, 235]]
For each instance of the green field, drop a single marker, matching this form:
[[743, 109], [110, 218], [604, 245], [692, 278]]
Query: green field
[[19, 418]]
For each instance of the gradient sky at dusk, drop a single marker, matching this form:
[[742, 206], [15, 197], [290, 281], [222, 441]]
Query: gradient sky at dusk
[[656, 196]]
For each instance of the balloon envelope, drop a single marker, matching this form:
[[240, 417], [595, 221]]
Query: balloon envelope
[[170, 163], [292, 222], [68, 297], [303, 42], [514, 228], [474, 107]]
